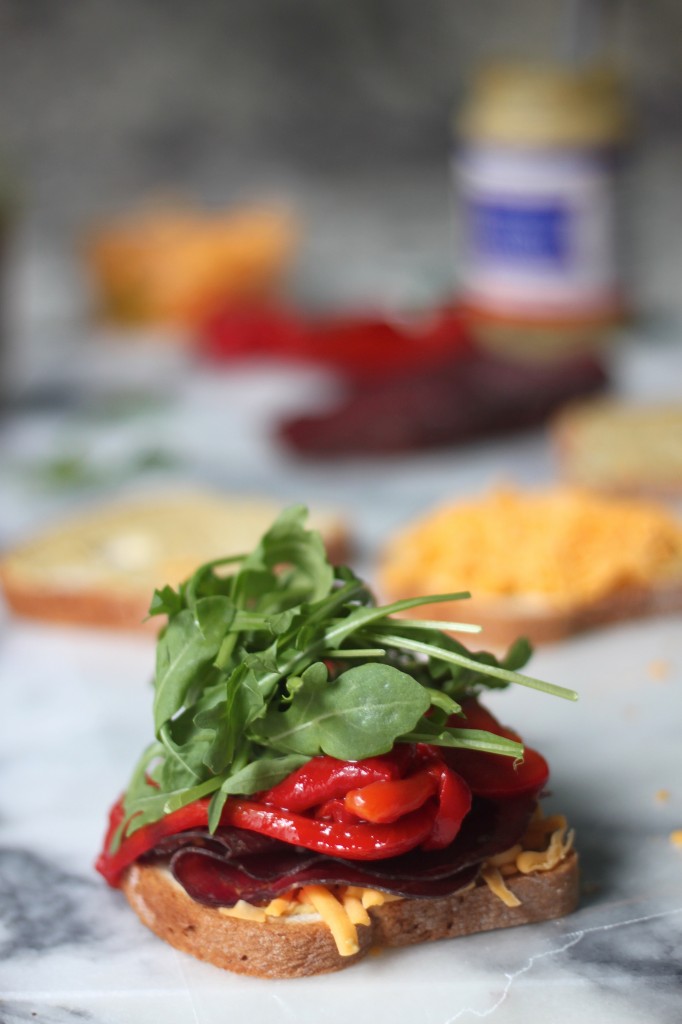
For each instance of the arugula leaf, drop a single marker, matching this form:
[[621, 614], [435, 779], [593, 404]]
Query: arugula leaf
[[262, 774], [166, 601], [243, 692], [361, 714], [496, 671], [469, 739], [189, 642]]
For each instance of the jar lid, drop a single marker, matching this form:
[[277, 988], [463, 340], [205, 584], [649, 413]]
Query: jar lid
[[545, 105]]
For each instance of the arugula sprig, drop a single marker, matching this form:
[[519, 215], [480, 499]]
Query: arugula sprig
[[256, 672]]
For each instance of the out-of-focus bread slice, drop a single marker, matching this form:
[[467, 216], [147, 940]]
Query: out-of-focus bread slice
[[539, 564], [290, 948], [621, 447], [101, 568], [503, 621]]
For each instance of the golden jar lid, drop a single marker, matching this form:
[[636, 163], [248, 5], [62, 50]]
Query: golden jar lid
[[545, 105]]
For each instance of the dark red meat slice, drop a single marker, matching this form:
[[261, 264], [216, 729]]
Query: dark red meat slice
[[230, 865]]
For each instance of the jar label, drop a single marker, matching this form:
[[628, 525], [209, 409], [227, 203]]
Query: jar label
[[539, 229], [526, 233]]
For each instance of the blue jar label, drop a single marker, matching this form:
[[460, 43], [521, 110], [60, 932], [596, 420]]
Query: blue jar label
[[535, 233]]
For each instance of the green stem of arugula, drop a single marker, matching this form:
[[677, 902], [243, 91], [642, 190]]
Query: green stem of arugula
[[459, 659], [190, 593], [446, 627], [367, 652], [362, 617]]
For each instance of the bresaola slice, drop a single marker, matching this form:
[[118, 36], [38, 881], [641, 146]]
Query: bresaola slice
[[211, 881], [232, 865]]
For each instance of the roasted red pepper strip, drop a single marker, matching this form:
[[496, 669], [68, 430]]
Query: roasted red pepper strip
[[325, 778], [454, 803], [399, 813], [358, 841], [493, 775], [352, 842], [112, 865], [386, 802], [335, 810]]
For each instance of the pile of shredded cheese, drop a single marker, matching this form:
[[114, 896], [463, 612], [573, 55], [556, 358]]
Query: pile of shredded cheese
[[342, 908], [568, 546], [545, 844]]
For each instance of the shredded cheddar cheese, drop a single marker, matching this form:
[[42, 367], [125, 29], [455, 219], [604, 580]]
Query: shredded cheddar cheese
[[342, 910], [565, 546], [545, 844], [334, 915], [497, 885], [244, 911], [355, 910]]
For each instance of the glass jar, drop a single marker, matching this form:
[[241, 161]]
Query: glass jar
[[537, 174]]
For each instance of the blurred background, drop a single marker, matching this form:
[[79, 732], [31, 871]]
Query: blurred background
[[198, 195], [343, 111]]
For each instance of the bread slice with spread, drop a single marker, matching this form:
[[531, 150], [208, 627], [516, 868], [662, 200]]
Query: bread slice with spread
[[99, 568]]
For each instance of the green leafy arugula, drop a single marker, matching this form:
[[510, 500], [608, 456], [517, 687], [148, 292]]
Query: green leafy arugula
[[271, 658]]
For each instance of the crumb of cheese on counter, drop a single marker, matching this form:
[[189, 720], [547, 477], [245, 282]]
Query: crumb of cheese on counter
[[659, 669]]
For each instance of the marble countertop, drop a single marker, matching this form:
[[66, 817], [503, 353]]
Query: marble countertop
[[77, 710]]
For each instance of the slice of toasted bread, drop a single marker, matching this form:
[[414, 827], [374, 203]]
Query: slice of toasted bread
[[502, 621], [541, 564], [297, 947], [101, 568], [621, 447]]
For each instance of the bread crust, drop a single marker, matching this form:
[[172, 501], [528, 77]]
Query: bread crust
[[62, 607], [503, 620], [290, 948]]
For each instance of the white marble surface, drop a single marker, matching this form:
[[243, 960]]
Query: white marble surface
[[77, 709]]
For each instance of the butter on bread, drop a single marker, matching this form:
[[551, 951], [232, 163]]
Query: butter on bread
[[101, 568], [298, 946], [621, 447], [546, 564]]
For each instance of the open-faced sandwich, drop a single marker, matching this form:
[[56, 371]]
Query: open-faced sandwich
[[541, 563], [323, 777]]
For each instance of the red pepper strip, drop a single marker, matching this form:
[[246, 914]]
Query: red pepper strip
[[478, 717], [325, 778], [385, 802], [112, 865], [493, 775], [454, 803], [335, 810], [352, 842]]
